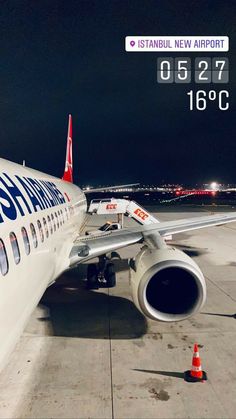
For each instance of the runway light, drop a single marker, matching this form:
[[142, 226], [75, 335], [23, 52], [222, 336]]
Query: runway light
[[87, 188], [214, 186]]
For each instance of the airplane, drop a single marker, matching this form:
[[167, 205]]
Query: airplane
[[40, 220]]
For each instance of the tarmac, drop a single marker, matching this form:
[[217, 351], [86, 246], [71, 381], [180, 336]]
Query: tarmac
[[92, 354]]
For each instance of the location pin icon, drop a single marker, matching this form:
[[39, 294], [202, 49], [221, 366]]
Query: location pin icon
[[132, 43]]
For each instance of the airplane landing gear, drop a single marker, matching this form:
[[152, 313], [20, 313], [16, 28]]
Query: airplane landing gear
[[110, 275], [101, 275], [92, 277]]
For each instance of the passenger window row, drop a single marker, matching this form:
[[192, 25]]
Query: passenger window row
[[51, 225]]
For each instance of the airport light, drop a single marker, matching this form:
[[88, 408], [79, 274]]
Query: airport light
[[214, 186]]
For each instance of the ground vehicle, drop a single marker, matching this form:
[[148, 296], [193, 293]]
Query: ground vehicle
[[108, 226]]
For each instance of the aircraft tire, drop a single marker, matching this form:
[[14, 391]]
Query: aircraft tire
[[115, 255], [92, 277], [110, 275]]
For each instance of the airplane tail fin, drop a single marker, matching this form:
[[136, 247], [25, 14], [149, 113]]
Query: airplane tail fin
[[68, 172]]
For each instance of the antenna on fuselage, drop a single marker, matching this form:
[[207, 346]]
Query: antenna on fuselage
[[23, 163]]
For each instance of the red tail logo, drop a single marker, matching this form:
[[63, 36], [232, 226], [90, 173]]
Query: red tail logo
[[68, 173]]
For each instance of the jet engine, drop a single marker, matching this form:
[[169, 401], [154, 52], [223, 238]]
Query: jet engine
[[166, 284]]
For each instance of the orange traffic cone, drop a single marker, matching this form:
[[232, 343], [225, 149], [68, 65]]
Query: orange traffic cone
[[196, 373]]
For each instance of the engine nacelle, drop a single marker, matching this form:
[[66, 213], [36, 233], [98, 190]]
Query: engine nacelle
[[166, 284]]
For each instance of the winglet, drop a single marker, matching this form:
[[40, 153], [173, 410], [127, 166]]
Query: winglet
[[68, 172]]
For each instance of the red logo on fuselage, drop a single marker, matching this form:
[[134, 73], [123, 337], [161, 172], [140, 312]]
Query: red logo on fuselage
[[68, 199]]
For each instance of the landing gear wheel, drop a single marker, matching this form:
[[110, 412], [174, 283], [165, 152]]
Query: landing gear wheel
[[110, 275], [115, 255], [92, 277]]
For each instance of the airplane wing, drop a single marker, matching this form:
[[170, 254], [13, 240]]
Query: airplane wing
[[108, 188], [88, 247]]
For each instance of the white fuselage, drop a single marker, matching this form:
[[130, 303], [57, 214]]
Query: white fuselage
[[55, 209]]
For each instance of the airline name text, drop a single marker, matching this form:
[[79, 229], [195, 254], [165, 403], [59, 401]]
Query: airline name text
[[24, 195]]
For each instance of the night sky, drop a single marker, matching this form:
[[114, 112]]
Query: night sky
[[61, 57]]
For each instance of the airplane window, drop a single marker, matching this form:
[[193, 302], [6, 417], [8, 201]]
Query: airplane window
[[25, 240], [67, 215], [45, 227], [3, 259], [59, 217], [50, 224], [15, 247], [62, 216], [53, 221], [40, 231], [34, 235], [57, 221]]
